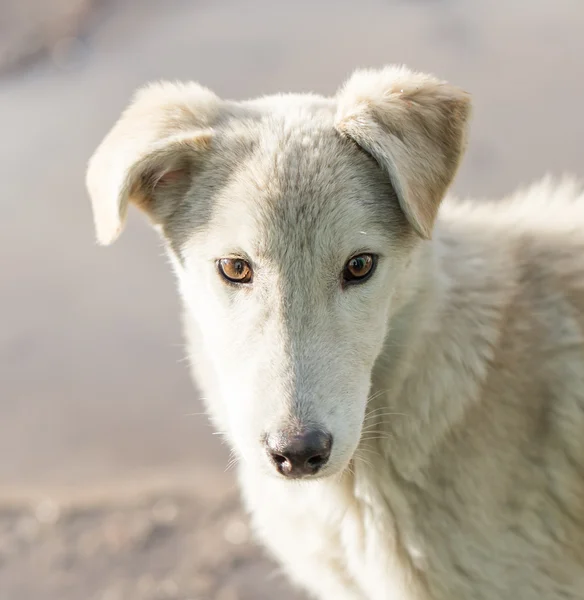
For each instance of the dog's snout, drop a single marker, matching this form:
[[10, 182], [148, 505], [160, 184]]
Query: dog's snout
[[301, 453]]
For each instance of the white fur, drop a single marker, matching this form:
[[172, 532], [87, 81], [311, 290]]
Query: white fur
[[452, 381]]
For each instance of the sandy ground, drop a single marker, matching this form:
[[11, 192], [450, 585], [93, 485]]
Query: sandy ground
[[108, 488]]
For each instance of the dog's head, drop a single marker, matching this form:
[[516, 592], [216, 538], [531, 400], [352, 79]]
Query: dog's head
[[291, 221]]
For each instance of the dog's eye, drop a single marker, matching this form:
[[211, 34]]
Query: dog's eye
[[359, 268], [235, 270]]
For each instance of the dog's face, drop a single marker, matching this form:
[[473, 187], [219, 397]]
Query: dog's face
[[291, 222], [289, 281]]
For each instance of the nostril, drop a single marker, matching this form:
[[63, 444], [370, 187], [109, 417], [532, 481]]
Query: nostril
[[316, 461], [279, 459]]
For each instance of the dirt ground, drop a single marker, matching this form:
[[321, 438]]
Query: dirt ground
[[163, 545], [112, 486]]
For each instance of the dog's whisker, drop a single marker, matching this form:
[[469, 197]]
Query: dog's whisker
[[359, 457], [376, 394], [383, 410], [383, 407], [379, 417], [379, 408], [372, 429], [233, 460]]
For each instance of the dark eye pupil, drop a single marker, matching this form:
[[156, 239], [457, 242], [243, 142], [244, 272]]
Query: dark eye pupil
[[358, 264], [239, 267]]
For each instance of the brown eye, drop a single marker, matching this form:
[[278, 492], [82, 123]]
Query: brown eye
[[359, 268], [235, 270]]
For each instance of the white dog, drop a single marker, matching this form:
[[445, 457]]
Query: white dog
[[401, 378]]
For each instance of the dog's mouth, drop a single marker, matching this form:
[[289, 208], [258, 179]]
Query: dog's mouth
[[320, 475]]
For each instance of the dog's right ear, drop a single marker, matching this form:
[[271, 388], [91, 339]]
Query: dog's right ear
[[148, 153]]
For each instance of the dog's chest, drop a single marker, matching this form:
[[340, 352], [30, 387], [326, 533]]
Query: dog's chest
[[337, 539]]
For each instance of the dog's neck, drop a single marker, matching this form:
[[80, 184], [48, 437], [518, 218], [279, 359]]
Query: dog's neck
[[389, 414], [436, 337]]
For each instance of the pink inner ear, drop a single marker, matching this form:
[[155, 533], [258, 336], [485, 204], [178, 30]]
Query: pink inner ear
[[171, 177]]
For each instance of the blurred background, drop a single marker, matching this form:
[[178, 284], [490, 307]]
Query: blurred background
[[112, 487]]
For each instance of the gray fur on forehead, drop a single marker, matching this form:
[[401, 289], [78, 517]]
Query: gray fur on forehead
[[296, 172], [317, 179]]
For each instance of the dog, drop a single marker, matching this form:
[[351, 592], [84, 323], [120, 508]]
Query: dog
[[399, 373]]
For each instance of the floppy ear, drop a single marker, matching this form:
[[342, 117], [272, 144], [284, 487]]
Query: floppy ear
[[149, 152], [415, 127]]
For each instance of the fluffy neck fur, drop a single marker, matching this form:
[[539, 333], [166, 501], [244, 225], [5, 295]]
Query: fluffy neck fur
[[440, 332]]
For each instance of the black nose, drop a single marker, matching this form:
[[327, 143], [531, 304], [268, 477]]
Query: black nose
[[299, 453]]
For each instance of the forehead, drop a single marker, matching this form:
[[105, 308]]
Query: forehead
[[309, 176], [292, 177]]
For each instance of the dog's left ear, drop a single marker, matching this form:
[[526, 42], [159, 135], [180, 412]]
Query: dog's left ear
[[415, 127]]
